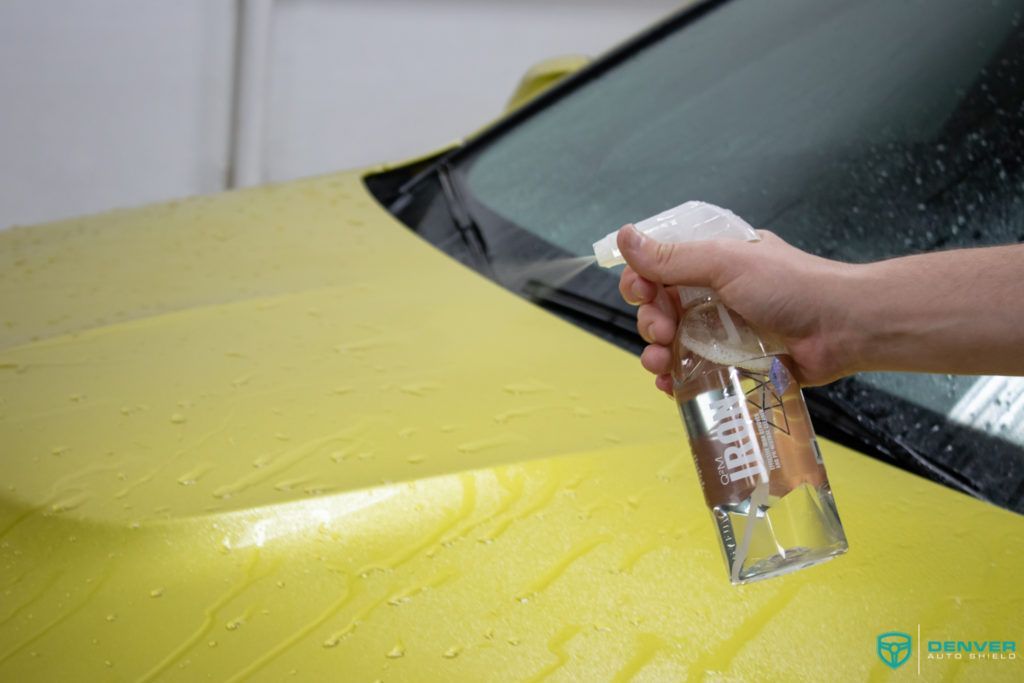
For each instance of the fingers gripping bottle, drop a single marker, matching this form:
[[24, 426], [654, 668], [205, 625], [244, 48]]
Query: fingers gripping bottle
[[750, 434]]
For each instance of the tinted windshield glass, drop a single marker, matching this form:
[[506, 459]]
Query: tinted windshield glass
[[857, 131]]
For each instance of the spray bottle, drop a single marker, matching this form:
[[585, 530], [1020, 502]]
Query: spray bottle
[[750, 434]]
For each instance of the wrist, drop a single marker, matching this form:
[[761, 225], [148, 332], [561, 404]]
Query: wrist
[[855, 324]]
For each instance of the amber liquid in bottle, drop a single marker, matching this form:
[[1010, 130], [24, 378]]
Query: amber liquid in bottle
[[755, 450]]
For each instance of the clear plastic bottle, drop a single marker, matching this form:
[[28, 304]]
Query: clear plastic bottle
[[750, 434], [755, 450]]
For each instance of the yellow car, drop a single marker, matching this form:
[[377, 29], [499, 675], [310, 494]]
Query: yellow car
[[384, 425]]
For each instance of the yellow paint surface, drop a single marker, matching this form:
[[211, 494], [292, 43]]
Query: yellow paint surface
[[273, 432]]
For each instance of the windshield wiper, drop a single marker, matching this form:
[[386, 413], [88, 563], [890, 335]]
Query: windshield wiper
[[588, 312], [466, 226], [839, 419]]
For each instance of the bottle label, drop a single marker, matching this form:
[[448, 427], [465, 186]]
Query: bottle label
[[751, 427], [733, 429]]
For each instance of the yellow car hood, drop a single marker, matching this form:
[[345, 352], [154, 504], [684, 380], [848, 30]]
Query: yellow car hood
[[274, 432]]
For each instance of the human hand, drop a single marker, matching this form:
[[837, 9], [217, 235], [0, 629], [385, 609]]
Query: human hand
[[799, 298]]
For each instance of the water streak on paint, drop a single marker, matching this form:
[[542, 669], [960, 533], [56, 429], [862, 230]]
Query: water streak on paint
[[210, 615], [287, 460], [648, 645], [464, 511], [561, 566], [490, 442], [556, 646], [544, 498]]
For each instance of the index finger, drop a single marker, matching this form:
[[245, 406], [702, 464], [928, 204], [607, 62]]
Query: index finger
[[636, 289]]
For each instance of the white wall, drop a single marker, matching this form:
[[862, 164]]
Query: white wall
[[120, 102], [111, 102], [360, 82]]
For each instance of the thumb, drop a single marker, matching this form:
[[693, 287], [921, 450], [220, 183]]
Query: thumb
[[693, 264]]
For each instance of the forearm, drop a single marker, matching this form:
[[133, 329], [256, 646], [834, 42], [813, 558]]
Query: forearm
[[958, 312]]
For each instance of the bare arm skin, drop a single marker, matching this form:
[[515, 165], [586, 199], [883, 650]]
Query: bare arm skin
[[958, 312]]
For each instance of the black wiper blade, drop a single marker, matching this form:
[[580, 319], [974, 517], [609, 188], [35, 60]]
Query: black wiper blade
[[587, 311], [468, 228], [839, 419]]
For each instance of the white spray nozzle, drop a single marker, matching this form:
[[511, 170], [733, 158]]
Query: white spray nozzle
[[607, 251], [689, 222]]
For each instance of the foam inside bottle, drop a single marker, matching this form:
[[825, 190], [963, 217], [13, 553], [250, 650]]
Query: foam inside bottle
[[714, 332]]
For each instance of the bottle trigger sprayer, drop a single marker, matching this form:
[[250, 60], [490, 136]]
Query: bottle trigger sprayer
[[750, 434]]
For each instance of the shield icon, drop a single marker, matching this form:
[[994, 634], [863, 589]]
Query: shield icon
[[894, 648]]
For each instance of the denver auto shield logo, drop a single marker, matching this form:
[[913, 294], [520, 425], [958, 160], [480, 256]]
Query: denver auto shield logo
[[894, 648]]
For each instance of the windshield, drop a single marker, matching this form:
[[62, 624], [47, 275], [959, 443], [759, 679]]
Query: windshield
[[857, 131]]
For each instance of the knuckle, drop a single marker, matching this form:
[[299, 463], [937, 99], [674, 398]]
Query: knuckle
[[643, 322], [719, 261], [662, 331], [664, 253], [627, 293], [653, 359], [628, 288]]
